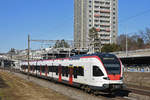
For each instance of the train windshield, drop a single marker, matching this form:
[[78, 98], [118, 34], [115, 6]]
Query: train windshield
[[111, 63]]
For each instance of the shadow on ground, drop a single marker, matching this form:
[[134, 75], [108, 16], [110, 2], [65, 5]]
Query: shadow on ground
[[121, 93], [3, 84]]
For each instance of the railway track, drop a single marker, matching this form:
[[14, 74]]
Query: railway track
[[139, 91], [81, 95]]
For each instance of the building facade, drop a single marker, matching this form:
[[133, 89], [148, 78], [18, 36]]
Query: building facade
[[101, 14]]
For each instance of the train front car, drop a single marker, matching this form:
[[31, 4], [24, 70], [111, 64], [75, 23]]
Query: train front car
[[108, 73]]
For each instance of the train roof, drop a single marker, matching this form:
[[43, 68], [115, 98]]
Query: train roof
[[95, 54], [101, 55]]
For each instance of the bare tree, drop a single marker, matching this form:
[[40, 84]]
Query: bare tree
[[134, 42], [122, 41], [61, 44], [146, 35], [95, 39]]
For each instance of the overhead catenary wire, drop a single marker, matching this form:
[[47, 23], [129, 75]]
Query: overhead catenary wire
[[134, 16]]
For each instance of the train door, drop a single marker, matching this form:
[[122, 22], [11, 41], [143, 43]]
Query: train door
[[24, 68], [70, 75], [88, 73], [97, 75], [60, 73], [36, 69], [46, 70], [40, 70], [52, 70], [33, 69]]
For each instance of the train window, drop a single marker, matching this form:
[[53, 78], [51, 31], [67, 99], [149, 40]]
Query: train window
[[31, 68], [111, 63], [80, 71], [97, 72], [66, 71], [43, 69], [63, 71], [26, 67], [49, 68], [22, 67], [56, 68], [53, 69], [60, 69], [75, 70], [37, 68]]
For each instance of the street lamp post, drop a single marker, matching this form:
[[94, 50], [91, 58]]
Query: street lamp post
[[28, 56]]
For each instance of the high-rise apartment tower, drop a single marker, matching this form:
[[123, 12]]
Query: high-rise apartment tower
[[101, 14]]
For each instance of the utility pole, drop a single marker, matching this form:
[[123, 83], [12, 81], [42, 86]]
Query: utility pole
[[126, 41], [126, 45], [100, 49], [28, 56], [69, 51]]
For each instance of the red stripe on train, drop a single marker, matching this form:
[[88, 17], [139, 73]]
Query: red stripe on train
[[60, 71], [114, 77], [70, 76]]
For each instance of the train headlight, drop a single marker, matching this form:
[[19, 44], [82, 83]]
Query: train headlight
[[106, 78], [121, 78], [105, 85]]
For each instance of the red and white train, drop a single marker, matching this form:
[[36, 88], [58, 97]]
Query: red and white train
[[100, 71]]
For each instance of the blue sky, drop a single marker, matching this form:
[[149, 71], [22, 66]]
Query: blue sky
[[53, 19]]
